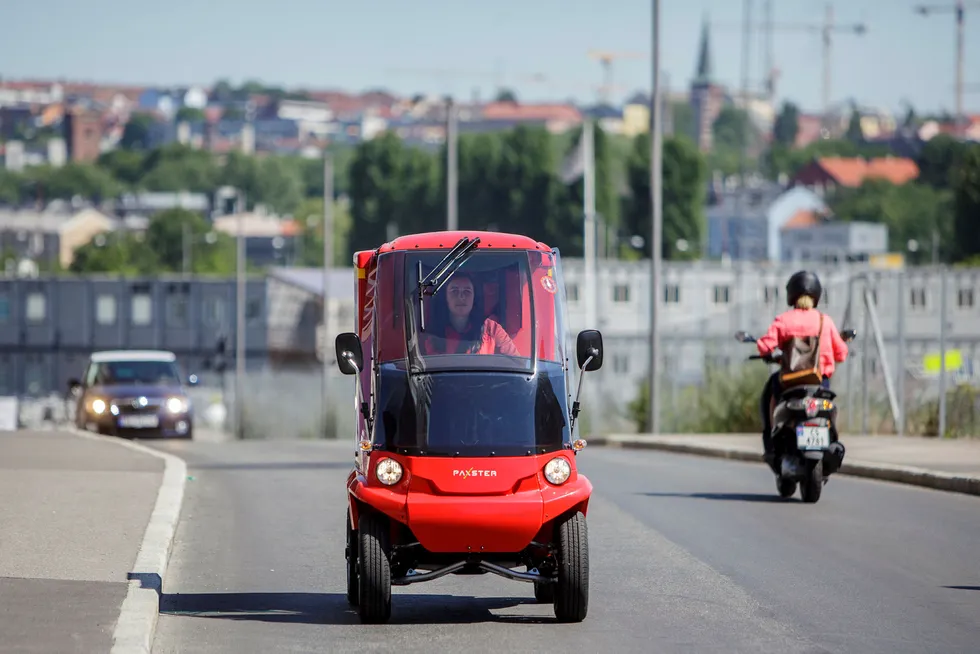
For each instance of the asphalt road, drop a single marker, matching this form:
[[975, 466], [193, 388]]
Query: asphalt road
[[688, 554]]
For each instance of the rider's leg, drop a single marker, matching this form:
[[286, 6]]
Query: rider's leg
[[766, 406]]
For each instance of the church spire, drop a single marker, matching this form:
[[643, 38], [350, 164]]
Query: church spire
[[703, 75]]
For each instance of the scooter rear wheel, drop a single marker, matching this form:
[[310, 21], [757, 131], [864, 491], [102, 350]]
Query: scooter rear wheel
[[813, 483]]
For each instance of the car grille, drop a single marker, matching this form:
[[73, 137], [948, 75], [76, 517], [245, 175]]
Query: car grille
[[131, 405]]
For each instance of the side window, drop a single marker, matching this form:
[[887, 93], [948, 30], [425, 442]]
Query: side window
[[90, 374]]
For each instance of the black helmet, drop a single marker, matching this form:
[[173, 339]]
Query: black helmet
[[803, 283]]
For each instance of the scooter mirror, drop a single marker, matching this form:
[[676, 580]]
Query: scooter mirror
[[744, 337], [350, 358]]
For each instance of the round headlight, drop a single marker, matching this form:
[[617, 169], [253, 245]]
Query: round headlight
[[98, 406], [175, 405], [557, 471], [389, 471]]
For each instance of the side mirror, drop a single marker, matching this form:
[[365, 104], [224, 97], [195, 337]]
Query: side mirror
[[744, 337], [350, 357], [192, 380], [589, 344], [849, 334]]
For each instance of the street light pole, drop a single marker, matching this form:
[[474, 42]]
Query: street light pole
[[452, 218], [240, 322], [327, 263], [656, 246]]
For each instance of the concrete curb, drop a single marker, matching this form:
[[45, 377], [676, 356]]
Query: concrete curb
[[140, 610], [908, 475]]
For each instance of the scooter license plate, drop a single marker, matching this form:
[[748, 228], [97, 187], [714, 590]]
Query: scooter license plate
[[810, 437]]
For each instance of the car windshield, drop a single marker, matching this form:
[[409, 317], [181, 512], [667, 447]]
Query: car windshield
[[498, 311], [137, 372]]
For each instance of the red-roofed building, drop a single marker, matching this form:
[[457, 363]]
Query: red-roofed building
[[825, 174]]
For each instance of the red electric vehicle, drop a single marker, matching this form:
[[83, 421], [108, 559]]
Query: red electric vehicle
[[465, 454]]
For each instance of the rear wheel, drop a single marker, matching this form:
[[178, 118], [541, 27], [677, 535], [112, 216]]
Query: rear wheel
[[786, 487], [351, 556], [813, 482], [373, 569], [572, 591]]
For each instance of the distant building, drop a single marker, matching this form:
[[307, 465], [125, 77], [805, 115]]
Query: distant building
[[811, 237], [83, 134], [707, 98], [50, 238]]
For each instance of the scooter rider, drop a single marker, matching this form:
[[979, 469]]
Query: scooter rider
[[803, 291]]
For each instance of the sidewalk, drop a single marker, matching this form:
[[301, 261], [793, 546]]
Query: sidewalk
[[948, 464], [72, 519]]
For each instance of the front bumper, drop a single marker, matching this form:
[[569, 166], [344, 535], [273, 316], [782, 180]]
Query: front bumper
[[160, 423]]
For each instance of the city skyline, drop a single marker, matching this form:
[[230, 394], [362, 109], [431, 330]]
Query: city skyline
[[322, 47]]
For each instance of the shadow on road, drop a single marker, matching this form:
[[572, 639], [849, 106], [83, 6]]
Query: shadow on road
[[274, 465], [332, 608], [733, 497], [962, 587]]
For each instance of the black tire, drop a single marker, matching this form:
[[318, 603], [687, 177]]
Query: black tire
[[572, 589], [786, 487], [813, 483], [350, 554], [544, 593], [373, 569]]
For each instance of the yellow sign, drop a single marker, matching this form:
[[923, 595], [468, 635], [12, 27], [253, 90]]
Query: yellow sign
[[932, 362], [892, 260]]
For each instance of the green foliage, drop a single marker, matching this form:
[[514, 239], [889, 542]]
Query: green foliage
[[726, 403], [911, 211], [684, 192], [966, 187], [787, 124]]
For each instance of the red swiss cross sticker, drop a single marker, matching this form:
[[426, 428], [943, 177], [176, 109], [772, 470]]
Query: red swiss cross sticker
[[549, 284]]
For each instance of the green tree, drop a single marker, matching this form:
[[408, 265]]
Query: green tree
[[136, 134], [309, 215], [787, 125], [506, 95], [480, 195], [911, 211], [177, 167], [124, 165], [379, 185], [855, 134], [733, 129], [119, 252], [529, 189], [190, 115], [684, 191], [937, 159], [82, 179], [10, 185], [567, 232], [966, 185]]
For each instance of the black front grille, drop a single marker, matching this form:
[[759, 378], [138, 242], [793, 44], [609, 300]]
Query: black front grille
[[130, 406]]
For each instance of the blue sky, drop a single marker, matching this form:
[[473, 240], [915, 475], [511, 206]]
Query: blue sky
[[361, 44]]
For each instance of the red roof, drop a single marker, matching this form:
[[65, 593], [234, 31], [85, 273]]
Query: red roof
[[511, 111], [802, 218], [853, 171], [447, 240]]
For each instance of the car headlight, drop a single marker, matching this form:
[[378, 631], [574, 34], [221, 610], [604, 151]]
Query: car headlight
[[176, 404], [389, 472], [557, 471], [98, 406]]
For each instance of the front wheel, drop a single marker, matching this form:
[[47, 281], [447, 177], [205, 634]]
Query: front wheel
[[373, 569], [350, 554], [813, 482], [572, 591]]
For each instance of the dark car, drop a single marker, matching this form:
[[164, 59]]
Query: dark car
[[133, 393]]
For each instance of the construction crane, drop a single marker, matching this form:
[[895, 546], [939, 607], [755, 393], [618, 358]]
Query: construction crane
[[826, 29], [959, 8], [606, 58]]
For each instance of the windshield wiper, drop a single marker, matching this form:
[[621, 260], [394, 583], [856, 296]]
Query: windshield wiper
[[443, 271]]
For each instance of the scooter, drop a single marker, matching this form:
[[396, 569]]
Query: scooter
[[805, 440]]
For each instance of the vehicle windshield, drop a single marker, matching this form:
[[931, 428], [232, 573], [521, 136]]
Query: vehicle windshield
[[499, 311], [137, 372]]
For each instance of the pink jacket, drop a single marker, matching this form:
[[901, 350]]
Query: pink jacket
[[802, 323]]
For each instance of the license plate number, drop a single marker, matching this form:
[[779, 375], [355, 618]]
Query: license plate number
[[812, 438], [139, 422]]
